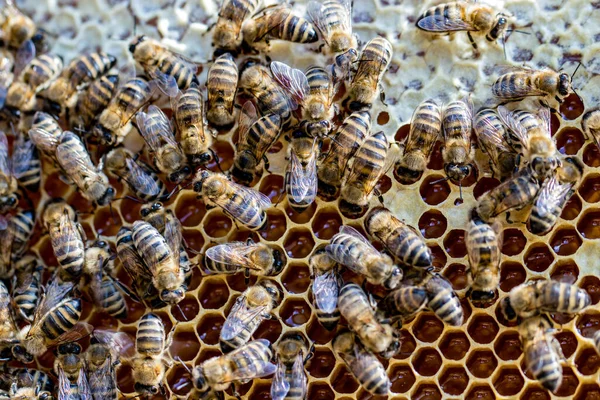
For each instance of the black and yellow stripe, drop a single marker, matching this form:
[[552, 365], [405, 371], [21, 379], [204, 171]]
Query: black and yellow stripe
[[148, 241], [95, 99], [443, 301], [403, 302], [184, 73], [87, 68], [61, 318], [21, 226], [26, 297], [150, 338], [27, 166], [561, 297], [112, 299], [221, 85], [251, 357], [41, 69]]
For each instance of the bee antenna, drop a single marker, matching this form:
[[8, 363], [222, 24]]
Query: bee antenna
[[181, 311], [178, 189], [216, 158], [440, 180], [130, 198], [576, 69], [183, 364], [504, 45]]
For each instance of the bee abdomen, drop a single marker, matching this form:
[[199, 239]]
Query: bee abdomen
[[404, 301], [456, 120], [189, 108], [409, 247], [135, 91], [183, 74], [150, 338], [374, 379], [509, 84], [565, 298], [544, 365], [149, 241], [443, 301], [113, 301], [242, 337], [31, 177], [62, 318], [97, 97], [297, 29], [318, 79], [22, 226], [329, 320], [26, 299], [89, 67], [41, 69], [353, 303], [484, 242], [428, 117]]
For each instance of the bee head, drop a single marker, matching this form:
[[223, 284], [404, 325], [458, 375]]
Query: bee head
[[507, 310], [199, 181], [482, 295], [103, 134], [146, 389], [201, 159], [498, 28], [44, 396], [41, 41], [394, 279], [199, 379], [69, 348], [172, 296], [107, 197], [147, 210], [21, 354], [135, 42], [564, 84], [457, 172], [181, 174]]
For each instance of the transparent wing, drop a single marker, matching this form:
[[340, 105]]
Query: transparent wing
[[302, 178], [44, 140], [239, 317], [66, 235], [474, 256], [85, 393], [507, 69], [166, 83], [490, 138], [247, 117], [234, 253], [348, 230], [78, 332], [280, 386], [64, 386], [131, 260], [292, 80], [23, 153], [298, 374], [173, 233], [140, 179], [55, 293], [551, 196], [5, 168], [155, 128], [24, 55], [519, 130], [102, 378], [326, 290], [544, 116], [120, 343], [254, 367], [75, 160], [439, 23]]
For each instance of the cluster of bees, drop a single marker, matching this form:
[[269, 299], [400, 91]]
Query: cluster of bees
[[101, 105]]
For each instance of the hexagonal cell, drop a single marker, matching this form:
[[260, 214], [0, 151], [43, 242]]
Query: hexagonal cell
[[322, 363], [189, 210], [296, 278], [275, 227], [427, 391], [481, 392], [535, 393], [509, 381], [508, 346], [327, 223], [561, 319], [572, 107], [438, 256], [436, 162], [569, 383], [260, 391], [467, 309], [125, 381], [135, 311], [590, 391], [194, 242], [589, 224], [317, 333], [427, 361], [273, 186], [213, 293], [206, 354], [572, 208], [568, 342], [513, 242], [484, 185], [432, 224], [590, 188], [434, 190], [591, 155], [591, 285], [301, 217], [512, 274], [454, 345], [483, 329], [295, 312], [217, 224], [343, 381], [239, 282], [105, 223], [185, 345], [269, 329], [565, 241], [427, 328], [402, 378], [538, 257], [458, 276], [454, 381], [407, 344], [569, 140], [454, 243], [101, 318], [209, 328], [320, 391], [384, 184], [225, 155], [298, 243], [565, 271], [186, 309], [180, 380], [587, 361]]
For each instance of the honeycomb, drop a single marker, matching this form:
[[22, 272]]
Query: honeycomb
[[480, 360]]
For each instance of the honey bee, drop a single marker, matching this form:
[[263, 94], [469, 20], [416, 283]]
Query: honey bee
[[333, 19], [9, 331], [194, 137], [290, 381], [243, 364], [278, 22], [148, 365], [67, 238], [401, 304], [15, 233], [516, 83], [483, 242], [75, 162], [16, 28], [351, 249], [366, 82], [8, 183], [254, 258], [33, 378], [590, 123], [553, 196], [114, 123], [241, 203], [171, 71], [270, 97], [301, 175], [529, 299], [517, 192], [442, 299], [95, 100], [357, 309], [26, 292], [45, 133], [78, 74], [141, 180], [345, 143], [221, 85], [543, 353], [365, 366], [464, 16], [425, 129], [456, 152], [343, 65], [6, 76], [168, 157], [491, 136], [249, 310], [27, 393], [400, 239], [69, 366], [232, 15], [325, 288]]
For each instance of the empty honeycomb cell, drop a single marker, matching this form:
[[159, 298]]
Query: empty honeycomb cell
[[295, 312], [427, 328], [87, 229], [190, 210], [125, 379], [588, 323], [569, 383], [590, 188], [572, 107], [565, 241], [467, 309], [454, 380], [513, 242], [535, 392], [569, 140], [296, 278], [589, 391], [343, 381], [209, 328], [327, 223], [269, 329], [565, 271], [538, 257], [54, 186], [213, 293], [217, 224], [591, 155], [554, 123], [454, 345], [434, 190], [185, 345], [436, 161], [454, 243], [402, 133], [276, 148], [79, 203], [484, 185], [101, 318], [483, 329], [321, 363], [320, 391], [402, 378], [407, 344], [206, 354], [482, 363], [427, 391], [589, 224], [587, 361], [508, 381], [591, 284], [317, 333], [457, 274], [106, 222], [508, 346], [186, 309], [572, 208], [384, 184], [481, 392], [130, 209], [511, 274], [568, 342], [561, 319], [383, 118], [301, 217], [273, 186], [427, 361], [432, 224], [275, 227], [239, 282], [260, 391], [225, 153], [298, 243], [438, 257], [135, 310]]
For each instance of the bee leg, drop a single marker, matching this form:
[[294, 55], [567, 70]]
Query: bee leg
[[235, 391], [267, 164], [311, 352], [379, 196], [216, 158], [476, 53], [382, 96], [508, 218]]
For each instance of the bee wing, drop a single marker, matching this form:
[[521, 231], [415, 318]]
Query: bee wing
[[55, 293], [5, 167], [239, 317], [80, 165], [439, 23], [544, 116], [326, 290], [507, 69], [234, 253], [173, 234], [551, 196], [79, 331], [298, 374], [85, 393], [133, 263], [348, 230], [45, 141], [280, 386], [247, 117], [517, 90], [24, 55], [166, 83], [155, 127], [263, 200], [248, 371], [474, 256], [3, 226], [23, 153], [139, 178], [292, 80], [302, 179], [102, 378], [64, 386], [67, 234], [491, 139], [120, 343], [509, 120]]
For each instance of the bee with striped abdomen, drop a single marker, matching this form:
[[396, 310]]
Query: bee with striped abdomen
[[366, 82], [232, 14], [249, 310], [45, 133], [301, 174], [221, 86], [590, 123], [69, 366], [342, 66], [442, 300], [115, 121], [256, 259], [26, 292], [516, 83], [14, 240], [141, 180], [96, 98], [23, 167], [351, 249], [241, 203], [33, 378], [251, 361], [16, 28], [333, 19], [491, 136], [290, 381], [464, 16], [172, 71], [345, 143], [363, 364], [401, 304], [325, 288], [357, 309], [157, 132], [194, 137], [483, 242], [456, 151]]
